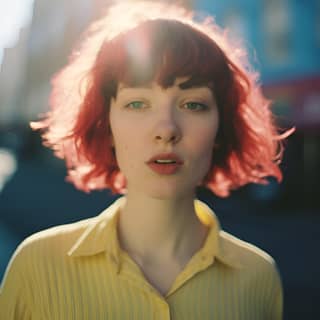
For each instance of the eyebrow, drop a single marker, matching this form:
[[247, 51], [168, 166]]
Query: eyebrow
[[188, 84], [194, 84], [145, 86]]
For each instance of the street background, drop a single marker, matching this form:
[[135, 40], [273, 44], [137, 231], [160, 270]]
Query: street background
[[283, 39]]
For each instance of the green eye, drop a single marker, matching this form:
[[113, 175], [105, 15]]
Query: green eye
[[136, 105], [195, 106]]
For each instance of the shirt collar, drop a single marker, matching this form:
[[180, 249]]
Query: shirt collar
[[101, 235], [216, 243]]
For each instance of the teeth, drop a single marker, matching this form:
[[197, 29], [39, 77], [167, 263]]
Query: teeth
[[165, 161]]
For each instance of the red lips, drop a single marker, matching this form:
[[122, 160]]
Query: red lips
[[166, 156], [165, 163]]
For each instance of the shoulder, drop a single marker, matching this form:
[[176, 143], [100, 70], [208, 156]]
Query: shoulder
[[56, 242], [231, 250], [42, 251], [246, 256], [257, 270], [50, 243]]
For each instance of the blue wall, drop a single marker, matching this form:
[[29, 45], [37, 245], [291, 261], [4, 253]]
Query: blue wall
[[303, 36]]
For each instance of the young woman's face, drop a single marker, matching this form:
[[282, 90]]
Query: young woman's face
[[163, 138]]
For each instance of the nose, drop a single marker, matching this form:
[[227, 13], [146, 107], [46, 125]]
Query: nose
[[167, 130]]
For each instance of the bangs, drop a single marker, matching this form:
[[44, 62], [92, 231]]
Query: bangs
[[162, 50]]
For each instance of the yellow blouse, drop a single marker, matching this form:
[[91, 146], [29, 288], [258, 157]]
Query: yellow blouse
[[78, 271]]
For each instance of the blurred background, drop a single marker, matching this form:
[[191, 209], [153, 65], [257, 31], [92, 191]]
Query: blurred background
[[283, 39]]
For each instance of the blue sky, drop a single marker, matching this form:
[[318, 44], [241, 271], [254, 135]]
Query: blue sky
[[14, 14]]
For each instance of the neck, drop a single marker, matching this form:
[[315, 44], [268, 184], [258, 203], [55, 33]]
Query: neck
[[151, 229]]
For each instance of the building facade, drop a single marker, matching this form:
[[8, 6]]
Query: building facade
[[283, 40]]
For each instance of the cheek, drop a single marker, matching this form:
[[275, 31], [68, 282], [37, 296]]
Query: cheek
[[126, 149], [122, 150], [204, 155], [118, 136], [205, 130], [120, 132], [202, 150], [205, 140]]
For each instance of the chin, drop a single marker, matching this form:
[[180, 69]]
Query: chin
[[165, 188], [169, 191]]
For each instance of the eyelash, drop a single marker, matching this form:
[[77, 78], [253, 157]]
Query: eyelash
[[202, 106], [132, 102]]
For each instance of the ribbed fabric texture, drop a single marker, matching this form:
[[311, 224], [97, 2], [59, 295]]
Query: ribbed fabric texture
[[78, 271]]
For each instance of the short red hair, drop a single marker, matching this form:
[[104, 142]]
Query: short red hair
[[142, 42]]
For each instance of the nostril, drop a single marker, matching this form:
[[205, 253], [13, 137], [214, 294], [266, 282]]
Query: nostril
[[167, 134], [170, 139]]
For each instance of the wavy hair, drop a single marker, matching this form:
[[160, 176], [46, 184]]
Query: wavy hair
[[139, 43]]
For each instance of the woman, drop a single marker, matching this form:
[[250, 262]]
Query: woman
[[152, 105]]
